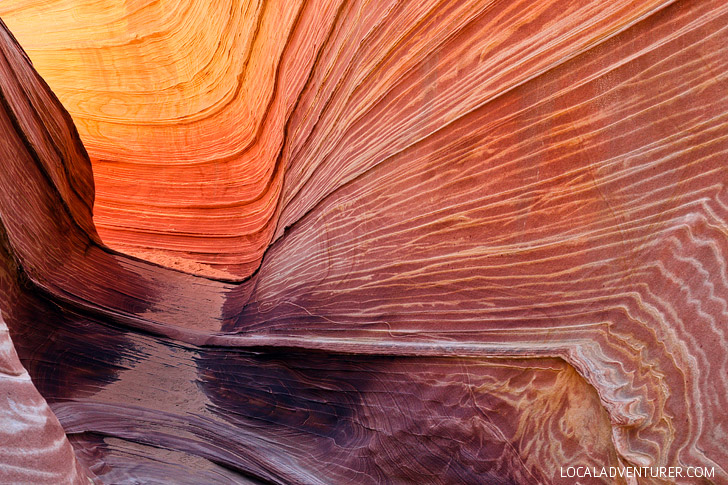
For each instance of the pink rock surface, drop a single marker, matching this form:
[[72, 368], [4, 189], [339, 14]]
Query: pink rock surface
[[493, 246], [33, 446]]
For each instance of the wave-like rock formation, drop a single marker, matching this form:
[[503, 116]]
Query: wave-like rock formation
[[363, 242], [33, 447]]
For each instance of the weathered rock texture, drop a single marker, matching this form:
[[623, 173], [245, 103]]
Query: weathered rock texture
[[433, 242], [33, 447]]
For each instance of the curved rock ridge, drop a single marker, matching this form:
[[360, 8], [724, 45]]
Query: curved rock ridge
[[433, 242], [182, 106], [33, 446]]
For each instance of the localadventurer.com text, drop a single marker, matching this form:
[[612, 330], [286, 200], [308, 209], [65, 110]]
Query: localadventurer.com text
[[638, 472]]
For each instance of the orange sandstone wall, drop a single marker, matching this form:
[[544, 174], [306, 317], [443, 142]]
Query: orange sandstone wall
[[370, 242], [182, 107]]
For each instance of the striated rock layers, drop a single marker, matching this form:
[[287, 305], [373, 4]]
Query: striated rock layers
[[33, 448], [363, 242]]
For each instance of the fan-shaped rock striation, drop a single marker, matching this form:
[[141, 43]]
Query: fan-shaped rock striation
[[351, 242]]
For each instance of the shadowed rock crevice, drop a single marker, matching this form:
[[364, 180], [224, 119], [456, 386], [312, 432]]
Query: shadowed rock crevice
[[383, 242]]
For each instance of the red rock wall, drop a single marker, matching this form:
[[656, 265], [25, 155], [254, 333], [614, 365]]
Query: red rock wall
[[33, 446], [385, 242]]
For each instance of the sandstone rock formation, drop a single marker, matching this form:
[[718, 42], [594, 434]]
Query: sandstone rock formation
[[33, 447], [366, 242]]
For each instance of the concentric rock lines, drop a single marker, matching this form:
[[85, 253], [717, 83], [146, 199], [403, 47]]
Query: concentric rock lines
[[365, 242], [34, 448]]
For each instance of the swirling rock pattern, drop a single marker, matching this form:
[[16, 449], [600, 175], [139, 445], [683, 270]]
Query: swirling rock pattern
[[447, 242], [33, 447]]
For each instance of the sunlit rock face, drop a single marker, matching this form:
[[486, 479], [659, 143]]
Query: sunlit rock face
[[383, 242], [183, 109]]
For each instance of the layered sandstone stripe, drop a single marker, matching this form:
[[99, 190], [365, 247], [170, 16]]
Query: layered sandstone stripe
[[182, 106], [455, 242], [33, 446]]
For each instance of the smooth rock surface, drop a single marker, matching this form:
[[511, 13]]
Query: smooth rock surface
[[33, 446], [435, 242]]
